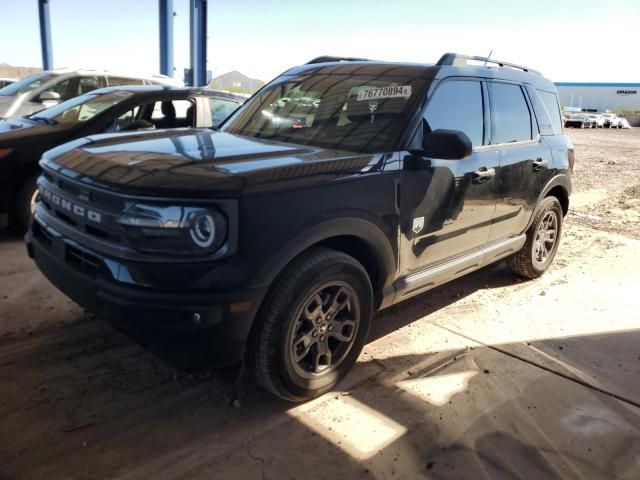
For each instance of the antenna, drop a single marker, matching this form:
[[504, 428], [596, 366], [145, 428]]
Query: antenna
[[488, 57]]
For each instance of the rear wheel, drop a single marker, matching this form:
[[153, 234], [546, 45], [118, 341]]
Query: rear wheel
[[26, 202], [313, 325], [542, 241]]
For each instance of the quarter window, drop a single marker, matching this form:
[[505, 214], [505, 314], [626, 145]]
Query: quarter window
[[510, 113], [550, 103], [457, 105]]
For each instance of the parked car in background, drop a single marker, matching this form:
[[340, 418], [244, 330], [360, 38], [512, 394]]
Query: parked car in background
[[624, 123], [4, 81], [45, 89], [611, 120], [597, 120], [113, 109], [578, 120]]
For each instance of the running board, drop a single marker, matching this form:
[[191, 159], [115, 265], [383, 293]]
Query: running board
[[419, 282]]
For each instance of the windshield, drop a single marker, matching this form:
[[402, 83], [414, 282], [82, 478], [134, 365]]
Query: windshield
[[83, 108], [361, 113], [26, 84]]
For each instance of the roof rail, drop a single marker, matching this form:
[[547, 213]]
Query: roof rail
[[329, 58], [460, 60]]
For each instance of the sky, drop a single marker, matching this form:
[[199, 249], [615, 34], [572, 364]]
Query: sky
[[581, 41]]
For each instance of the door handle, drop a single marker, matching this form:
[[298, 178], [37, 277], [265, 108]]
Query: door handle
[[539, 164], [483, 174]]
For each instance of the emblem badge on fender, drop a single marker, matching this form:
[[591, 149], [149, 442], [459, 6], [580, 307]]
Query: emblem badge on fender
[[418, 224]]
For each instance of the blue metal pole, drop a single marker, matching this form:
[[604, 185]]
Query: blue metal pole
[[45, 34], [165, 10], [198, 43]]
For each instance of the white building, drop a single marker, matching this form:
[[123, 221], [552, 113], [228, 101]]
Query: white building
[[600, 96]]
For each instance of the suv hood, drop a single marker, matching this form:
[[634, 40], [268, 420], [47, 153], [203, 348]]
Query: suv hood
[[199, 162]]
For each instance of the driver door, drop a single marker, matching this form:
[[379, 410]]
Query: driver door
[[447, 206]]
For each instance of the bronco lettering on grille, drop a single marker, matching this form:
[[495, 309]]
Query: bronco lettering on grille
[[70, 207]]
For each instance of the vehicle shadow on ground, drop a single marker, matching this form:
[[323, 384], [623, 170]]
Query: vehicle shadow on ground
[[106, 409], [84, 401]]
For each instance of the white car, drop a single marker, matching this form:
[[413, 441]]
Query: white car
[[597, 120], [611, 120], [50, 87], [624, 123]]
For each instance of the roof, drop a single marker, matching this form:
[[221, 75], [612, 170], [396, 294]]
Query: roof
[[424, 70], [151, 89], [98, 71]]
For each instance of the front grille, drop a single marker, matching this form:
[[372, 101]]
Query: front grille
[[82, 208]]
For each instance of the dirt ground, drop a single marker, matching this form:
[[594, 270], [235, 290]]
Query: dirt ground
[[487, 377]]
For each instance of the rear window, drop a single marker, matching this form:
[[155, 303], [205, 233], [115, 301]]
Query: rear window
[[552, 109]]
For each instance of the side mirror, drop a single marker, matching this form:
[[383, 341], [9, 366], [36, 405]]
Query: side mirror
[[49, 98], [446, 144], [138, 125]]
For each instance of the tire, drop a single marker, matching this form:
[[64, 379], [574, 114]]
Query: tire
[[535, 258], [25, 202], [287, 347]]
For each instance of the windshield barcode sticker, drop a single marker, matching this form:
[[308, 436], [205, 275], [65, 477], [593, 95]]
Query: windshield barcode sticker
[[385, 92]]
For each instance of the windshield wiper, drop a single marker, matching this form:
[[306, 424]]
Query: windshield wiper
[[48, 121]]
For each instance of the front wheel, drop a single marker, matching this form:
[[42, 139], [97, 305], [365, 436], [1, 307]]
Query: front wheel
[[543, 238], [313, 326], [25, 202]]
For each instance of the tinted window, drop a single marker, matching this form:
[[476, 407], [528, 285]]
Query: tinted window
[[64, 89], [550, 103], [510, 113], [119, 81], [87, 84], [360, 113], [221, 109], [457, 105]]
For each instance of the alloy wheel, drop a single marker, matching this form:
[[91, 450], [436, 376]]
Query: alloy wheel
[[324, 329]]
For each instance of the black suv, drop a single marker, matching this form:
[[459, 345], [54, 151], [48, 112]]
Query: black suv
[[342, 187]]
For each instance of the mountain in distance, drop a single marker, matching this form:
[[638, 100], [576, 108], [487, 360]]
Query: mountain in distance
[[9, 71], [236, 82]]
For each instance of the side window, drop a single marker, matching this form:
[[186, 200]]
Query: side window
[[65, 89], [457, 105], [87, 84], [119, 81], [221, 109], [552, 108], [173, 114], [510, 114], [124, 120]]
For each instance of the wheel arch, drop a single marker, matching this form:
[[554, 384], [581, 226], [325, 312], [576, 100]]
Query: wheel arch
[[359, 238], [559, 187]]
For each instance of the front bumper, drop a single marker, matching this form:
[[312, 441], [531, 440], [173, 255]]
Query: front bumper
[[191, 330]]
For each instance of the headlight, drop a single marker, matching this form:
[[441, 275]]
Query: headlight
[[174, 230]]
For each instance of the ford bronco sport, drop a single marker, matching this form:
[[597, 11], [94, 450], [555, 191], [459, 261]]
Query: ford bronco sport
[[342, 187]]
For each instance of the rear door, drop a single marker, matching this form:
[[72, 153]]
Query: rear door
[[524, 158], [447, 205]]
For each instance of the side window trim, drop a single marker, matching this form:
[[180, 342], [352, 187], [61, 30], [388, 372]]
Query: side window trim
[[534, 138]]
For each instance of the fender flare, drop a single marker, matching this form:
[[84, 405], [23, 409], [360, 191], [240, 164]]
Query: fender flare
[[364, 230], [560, 180]]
